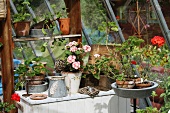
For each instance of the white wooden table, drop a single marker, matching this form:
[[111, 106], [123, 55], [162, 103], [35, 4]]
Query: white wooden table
[[105, 102]]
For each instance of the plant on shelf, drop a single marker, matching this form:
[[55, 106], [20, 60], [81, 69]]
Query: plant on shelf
[[31, 69], [44, 27], [21, 18], [63, 19]]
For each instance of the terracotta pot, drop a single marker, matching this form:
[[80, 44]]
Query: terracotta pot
[[157, 98], [36, 80], [157, 105], [64, 26], [119, 83], [22, 28], [143, 85], [125, 84]]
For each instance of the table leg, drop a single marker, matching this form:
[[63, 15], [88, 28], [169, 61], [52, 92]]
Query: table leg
[[134, 105]]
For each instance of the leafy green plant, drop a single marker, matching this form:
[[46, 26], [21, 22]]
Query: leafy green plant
[[22, 14], [166, 107], [120, 76], [128, 51], [102, 66], [108, 27], [6, 107], [30, 68]]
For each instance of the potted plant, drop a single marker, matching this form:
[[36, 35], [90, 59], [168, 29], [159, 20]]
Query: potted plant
[[31, 71], [103, 69], [72, 71], [143, 58], [63, 19], [44, 27], [20, 20]]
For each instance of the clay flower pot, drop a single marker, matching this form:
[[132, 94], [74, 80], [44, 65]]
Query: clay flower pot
[[143, 84], [119, 83], [22, 28], [64, 26]]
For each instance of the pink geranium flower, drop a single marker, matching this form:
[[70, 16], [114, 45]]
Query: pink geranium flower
[[76, 65], [71, 59], [75, 43], [73, 49], [70, 44], [87, 48]]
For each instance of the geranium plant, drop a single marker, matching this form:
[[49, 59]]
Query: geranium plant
[[102, 66], [134, 53], [6, 107], [74, 54]]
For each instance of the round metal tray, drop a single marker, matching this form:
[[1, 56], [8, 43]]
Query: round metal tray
[[134, 93]]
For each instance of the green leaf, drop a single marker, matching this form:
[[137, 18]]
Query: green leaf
[[44, 32], [43, 48]]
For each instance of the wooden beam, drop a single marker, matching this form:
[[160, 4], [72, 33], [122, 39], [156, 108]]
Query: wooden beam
[[75, 18], [7, 58]]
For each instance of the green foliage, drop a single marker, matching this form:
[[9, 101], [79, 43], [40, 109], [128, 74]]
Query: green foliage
[[22, 14], [30, 68], [102, 66], [1, 44], [148, 110], [108, 26], [93, 13], [166, 107], [6, 107], [60, 12], [120, 76], [129, 50]]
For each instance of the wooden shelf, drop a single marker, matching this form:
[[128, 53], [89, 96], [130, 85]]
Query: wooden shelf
[[45, 38]]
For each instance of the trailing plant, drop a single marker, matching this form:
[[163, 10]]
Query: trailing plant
[[22, 14]]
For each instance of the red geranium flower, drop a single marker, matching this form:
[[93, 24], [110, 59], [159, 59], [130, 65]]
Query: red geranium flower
[[158, 40], [15, 97], [133, 62]]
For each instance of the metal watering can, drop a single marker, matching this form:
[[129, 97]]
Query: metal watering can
[[57, 87]]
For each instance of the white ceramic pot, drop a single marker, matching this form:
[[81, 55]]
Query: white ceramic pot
[[72, 81]]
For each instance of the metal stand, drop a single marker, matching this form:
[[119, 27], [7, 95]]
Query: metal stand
[[27, 89], [134, 105]]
